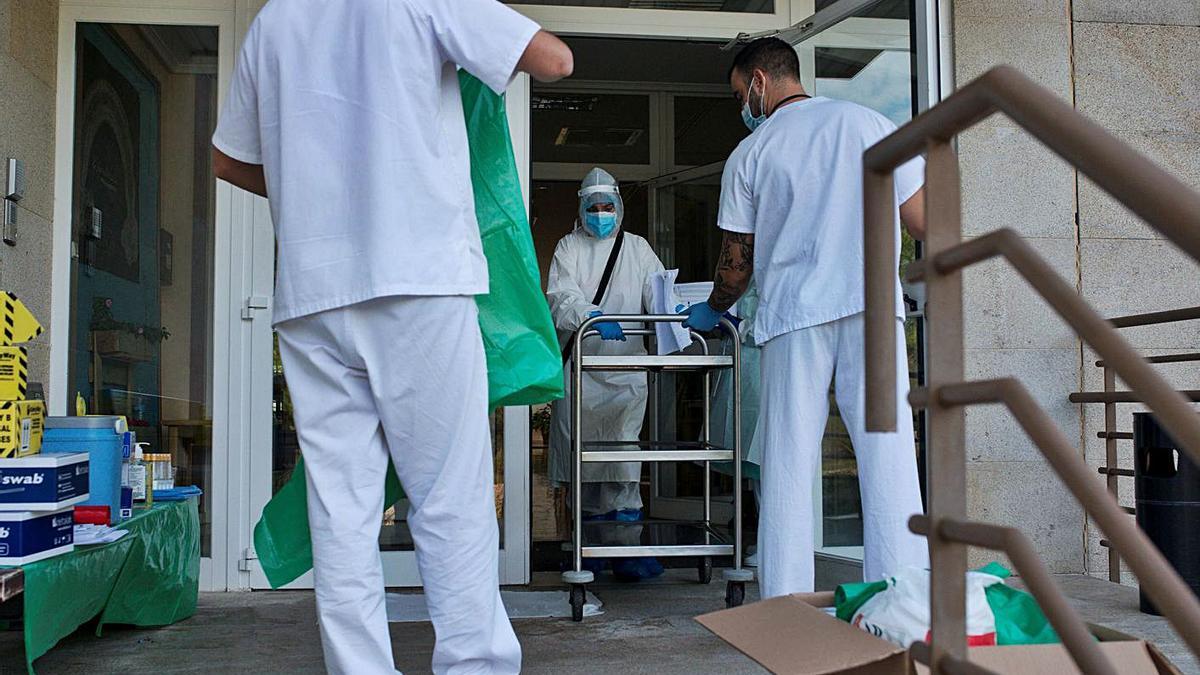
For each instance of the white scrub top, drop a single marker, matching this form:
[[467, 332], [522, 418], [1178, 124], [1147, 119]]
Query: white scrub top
[[796, 184], [353, 109]]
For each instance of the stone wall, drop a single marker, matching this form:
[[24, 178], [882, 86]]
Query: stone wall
[[1137, 69], [28, 67], [1131, 66]]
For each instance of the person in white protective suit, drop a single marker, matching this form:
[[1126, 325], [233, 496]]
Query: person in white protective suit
[[347, 114], [792, 214], [614, 404]]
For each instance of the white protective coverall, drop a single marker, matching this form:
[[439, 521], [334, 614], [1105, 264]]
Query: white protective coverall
[[614, 404]]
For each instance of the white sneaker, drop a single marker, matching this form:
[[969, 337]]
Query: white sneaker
[[751, 560]]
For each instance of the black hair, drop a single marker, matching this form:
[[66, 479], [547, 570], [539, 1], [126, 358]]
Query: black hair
[[770, 55]]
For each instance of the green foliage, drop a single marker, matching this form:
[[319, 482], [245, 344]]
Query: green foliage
[[103, 320]]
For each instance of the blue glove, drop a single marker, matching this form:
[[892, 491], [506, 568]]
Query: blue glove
[[701, 317], [609, 330]]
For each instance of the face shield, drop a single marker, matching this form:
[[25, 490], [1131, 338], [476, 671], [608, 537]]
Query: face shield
[[601, 210]]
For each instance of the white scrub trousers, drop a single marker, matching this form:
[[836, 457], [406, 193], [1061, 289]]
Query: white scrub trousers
[[797, 368], [404, 376]]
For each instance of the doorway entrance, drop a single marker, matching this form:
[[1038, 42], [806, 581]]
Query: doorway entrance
[[658, 115]]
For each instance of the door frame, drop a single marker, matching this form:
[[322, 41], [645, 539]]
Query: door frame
[[221, 15]]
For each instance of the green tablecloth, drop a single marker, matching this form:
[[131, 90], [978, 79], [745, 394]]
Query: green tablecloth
[[160, 582], [150, 577]]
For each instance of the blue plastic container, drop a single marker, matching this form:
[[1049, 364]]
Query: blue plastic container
[[100, 437]]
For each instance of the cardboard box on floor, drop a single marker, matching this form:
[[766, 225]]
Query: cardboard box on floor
[[793, 636]]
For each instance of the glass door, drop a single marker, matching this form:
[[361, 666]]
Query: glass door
[[142, 235], [275, 448]]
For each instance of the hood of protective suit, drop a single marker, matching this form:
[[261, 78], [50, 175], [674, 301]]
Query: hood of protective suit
[[599, 187]]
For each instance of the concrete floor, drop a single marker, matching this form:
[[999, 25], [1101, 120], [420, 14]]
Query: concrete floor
[[1114, 606], [646, 628]]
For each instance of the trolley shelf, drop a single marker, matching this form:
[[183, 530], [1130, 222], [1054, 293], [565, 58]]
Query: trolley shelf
[[661, 538], [655, 451], [655, 538], [672, 363]]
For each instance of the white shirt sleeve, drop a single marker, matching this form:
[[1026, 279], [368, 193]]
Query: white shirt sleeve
[[238, 134], [909, 178], [737, 211], [484, 37]]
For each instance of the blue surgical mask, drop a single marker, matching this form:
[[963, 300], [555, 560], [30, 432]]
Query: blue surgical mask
[[600, 224], [748, 117]]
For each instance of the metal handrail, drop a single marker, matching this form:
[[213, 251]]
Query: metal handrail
[[1114, 396], [1020, 551], [1110, 397], [1163, 201], [1165, 358], [1156, 318]]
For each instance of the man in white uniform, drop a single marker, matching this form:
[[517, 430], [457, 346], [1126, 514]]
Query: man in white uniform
[[792, 212], [614, 404], [347, 114]]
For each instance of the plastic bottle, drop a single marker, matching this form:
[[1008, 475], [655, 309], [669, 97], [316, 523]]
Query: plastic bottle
[[128, 441], [139, 477]]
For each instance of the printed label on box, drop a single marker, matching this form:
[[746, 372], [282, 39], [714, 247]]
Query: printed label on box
[[23, 536], [45, 486], [21, 427], [14, 373]]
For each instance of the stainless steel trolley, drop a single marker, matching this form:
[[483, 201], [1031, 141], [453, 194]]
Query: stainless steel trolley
[[658, 538]]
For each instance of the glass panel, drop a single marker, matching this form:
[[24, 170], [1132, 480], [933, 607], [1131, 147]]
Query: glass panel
[[743, 6], [881, 79], [548, 500], [707, 129], [591, 128], [142, 238], [688, 236]]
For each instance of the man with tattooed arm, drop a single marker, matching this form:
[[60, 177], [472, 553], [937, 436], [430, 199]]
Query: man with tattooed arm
[[792, 215]]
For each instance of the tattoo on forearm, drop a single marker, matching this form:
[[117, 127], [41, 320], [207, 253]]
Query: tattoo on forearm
[[734, 269]]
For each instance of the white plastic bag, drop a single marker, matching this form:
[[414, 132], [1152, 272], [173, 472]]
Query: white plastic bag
[[900, 613]]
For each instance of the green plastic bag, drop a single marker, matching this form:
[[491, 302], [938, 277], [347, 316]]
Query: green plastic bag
[[524, 365], [523, 358]]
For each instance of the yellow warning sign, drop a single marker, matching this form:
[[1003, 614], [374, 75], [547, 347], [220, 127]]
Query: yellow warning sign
[[17, 324], [14, 373], [21, 427]]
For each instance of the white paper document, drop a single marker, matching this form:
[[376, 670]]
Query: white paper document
[[86, 535], [667, 297]]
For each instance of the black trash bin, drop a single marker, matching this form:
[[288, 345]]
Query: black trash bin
[[1167, 493]]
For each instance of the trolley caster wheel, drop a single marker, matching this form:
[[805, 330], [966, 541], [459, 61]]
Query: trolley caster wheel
[[578, 599], [704, 570], [735, 593]]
